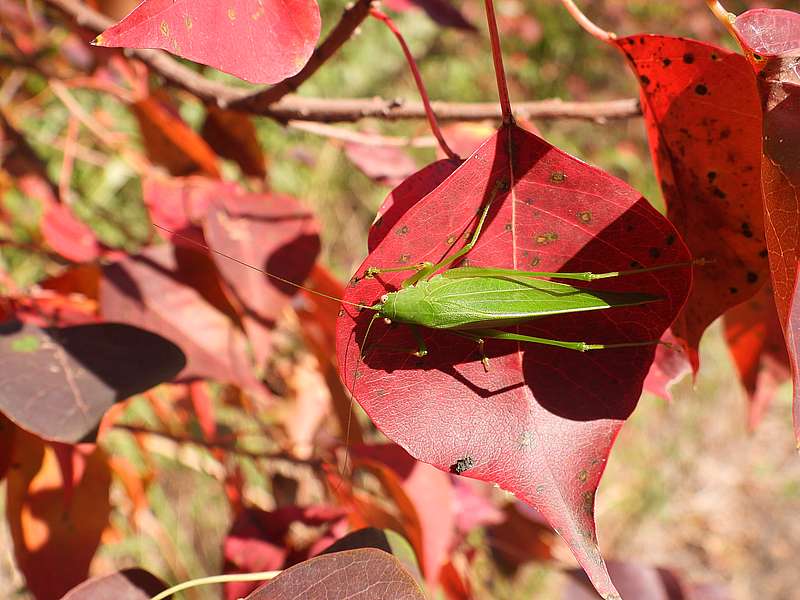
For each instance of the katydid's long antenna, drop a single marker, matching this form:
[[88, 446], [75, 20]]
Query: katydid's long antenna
[[262, 271]]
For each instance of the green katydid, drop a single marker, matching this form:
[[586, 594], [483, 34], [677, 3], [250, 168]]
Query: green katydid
[[476, 302]]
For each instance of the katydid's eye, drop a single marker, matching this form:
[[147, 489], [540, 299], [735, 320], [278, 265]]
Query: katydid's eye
[[384, 298]]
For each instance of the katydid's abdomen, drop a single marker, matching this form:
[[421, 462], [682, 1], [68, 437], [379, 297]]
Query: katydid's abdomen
[[452, 301]]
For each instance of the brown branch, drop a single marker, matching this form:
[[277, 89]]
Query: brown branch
[[346, 109]]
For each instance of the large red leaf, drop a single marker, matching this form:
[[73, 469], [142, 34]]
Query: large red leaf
[[755, 339], [542, 421], [130, 584], [159, 290], [275, 233], [772, 41], [71, 238], [261, 41], [704, 124], [59, 382], [366, 574], [56, 534]]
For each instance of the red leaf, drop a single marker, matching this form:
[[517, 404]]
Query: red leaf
[[261, 41], [671, 364], [264, 541], [158, 290], [703, 122], [275, 233], [366, 573], [388, 165], [519, 540], [771, 39], [755, 339], [169, 141], [473, 505], [542, 421], [232, 135], [55, 539], [71, 238], [130, 584], [7, 429]]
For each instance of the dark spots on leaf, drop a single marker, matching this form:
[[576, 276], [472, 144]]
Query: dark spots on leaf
[[451, 240], [688, 58], [725, 134], [746, 230], [357, 374], [629, 228], [341, 312], [528, 201], [404, 258], [583, 475], [381, 393], [540, 489], [714, 56], [462, 465], [635, 264], [403, 230], [666, 62], [588, 501], [752, 277], [644, 79], [502, 186], [507, 227], [535, 261], [711, 175], [585, 216], [718, 192], [700, 89], [670, 239], [757, 56], [764, 253], [654, 252], [465, 262], [546, 238], [558, 177], [733, 290]]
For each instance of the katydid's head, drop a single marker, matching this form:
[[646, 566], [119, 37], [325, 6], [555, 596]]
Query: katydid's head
[[386, 306]]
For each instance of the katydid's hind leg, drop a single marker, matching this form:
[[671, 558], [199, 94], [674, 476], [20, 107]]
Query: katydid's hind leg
[[578, 346]]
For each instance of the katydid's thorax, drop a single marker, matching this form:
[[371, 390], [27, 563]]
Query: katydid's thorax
[[451, 301]]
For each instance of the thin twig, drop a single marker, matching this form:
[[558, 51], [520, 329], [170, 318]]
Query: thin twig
[[584, 21], [347, 110], [497, 58], [364, 139], [423, 93]]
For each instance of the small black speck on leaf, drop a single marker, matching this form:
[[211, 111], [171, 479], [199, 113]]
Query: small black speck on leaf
[[752, 277], [688, 58], [700, 89], [655, 252]]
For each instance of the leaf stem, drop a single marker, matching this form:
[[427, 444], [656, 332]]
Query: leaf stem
[[723, 16], [261, 576], [499, 70], [423, 93], [584, 21]]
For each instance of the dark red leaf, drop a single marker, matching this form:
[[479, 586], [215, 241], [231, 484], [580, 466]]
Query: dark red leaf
[[261, 41], [169, 141], [232, 135], [542, 421], [264, 541], [174, 291], [271, 232], [771, 39], [519, 540], [366, 574], [55, 538], [71, 238], [130, 584], [704, 124], [73, 375], [7, 430], [755, 339]]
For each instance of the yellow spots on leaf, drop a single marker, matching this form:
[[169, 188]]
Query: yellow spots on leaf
[[164, 29], [232, 14], [451, 240], [259, 13], [176, 48], [558, 177], [585, 216], [99, 40], [546, 238], [187, 21], [583, 475]]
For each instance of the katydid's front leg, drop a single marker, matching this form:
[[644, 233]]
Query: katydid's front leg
[[427, 269]]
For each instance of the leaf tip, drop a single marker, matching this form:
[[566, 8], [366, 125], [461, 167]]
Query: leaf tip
[[98, 41]]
